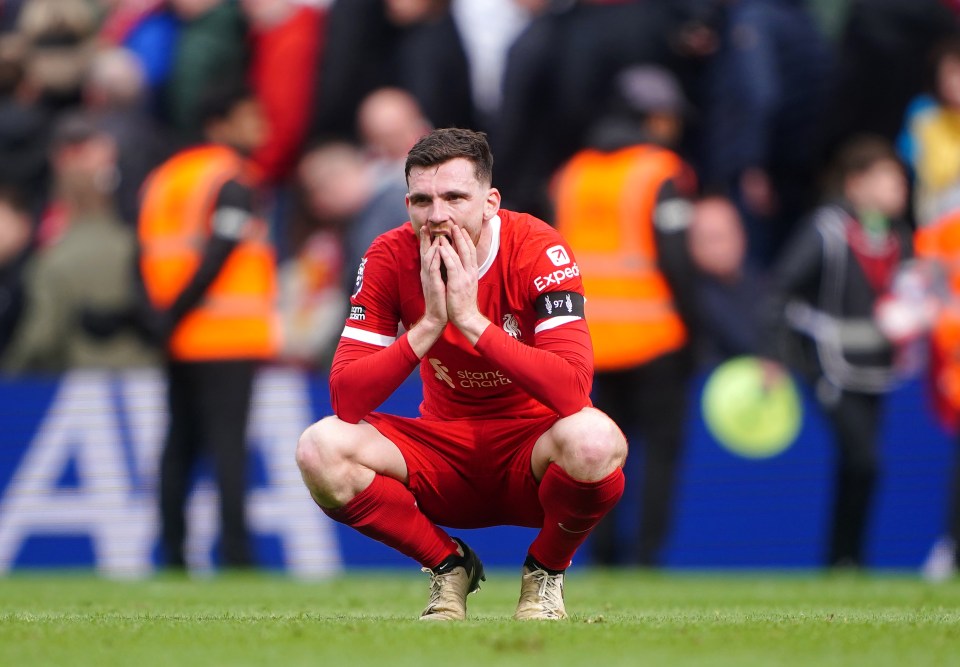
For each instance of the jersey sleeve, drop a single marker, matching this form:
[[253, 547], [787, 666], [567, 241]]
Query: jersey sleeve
[[558, 369], [370, 361], [551, 283]]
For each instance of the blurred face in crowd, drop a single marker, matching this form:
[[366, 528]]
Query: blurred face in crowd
[[948, 80], [335, 181], [408, 12], [244, 128], [881, 188], [390, 122], [664, 128], [449, 195], [267, 13], [534, 7], [86, 167], [716, 239]]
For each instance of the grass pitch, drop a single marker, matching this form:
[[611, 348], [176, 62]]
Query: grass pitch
[[618, 618]]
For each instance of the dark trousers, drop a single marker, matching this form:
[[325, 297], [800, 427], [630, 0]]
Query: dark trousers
[[953, 502], [650, 400], [855, 418], [209, 403]]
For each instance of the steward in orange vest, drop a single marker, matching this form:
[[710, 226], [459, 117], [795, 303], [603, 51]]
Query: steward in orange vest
[[205, 257], [623, 205], [209, 274], [606, 203]]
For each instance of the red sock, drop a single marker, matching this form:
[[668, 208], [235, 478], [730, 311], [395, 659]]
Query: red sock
[[388, 512], [571, 510]]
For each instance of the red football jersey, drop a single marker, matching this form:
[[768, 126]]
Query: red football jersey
[[529, 286]]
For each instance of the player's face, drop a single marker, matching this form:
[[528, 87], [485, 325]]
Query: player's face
[[448, 196]]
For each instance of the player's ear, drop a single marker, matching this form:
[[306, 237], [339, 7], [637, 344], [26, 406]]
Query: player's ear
[[492, 204]]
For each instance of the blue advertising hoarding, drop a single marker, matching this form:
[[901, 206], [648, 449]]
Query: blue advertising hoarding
[[79, 455]]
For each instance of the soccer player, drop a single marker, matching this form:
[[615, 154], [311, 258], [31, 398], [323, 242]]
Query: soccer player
[[492, 307]]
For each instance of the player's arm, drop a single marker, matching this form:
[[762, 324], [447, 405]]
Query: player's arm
[[370, 361], [557, 370], [364, 374]]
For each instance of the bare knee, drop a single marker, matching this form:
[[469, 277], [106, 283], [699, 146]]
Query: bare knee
[[315, 447], [326, 464], [590, 446]]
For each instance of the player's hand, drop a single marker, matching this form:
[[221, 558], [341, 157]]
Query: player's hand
[[459, 255], [434, 290]]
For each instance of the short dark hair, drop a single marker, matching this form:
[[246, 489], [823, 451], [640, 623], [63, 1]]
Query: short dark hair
[[856, 156], [861, 152], [449, 143]]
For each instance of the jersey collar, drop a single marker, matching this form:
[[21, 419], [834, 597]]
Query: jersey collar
[[494, 246]]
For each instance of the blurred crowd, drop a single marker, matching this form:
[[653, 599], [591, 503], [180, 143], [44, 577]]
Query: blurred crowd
[[94, 94], [787, 114]]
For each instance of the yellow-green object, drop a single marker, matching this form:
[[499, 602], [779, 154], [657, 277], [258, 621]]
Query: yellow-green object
[[746, 417]]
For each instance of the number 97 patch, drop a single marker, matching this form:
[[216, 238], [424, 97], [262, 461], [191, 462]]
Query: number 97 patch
[[559, 304]]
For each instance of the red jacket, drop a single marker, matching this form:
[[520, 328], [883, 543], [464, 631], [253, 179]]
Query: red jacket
[[282, 73]]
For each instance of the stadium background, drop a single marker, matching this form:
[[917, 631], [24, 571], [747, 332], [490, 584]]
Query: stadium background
[[77, 486]]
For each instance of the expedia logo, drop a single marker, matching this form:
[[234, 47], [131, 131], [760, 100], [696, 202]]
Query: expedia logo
[[555, 278], [558, 255]]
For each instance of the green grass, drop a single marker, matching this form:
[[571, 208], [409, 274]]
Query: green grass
[[618, 618]]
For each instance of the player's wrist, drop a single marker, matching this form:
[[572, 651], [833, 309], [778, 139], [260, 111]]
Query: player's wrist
[[424, 334], [473, 326]]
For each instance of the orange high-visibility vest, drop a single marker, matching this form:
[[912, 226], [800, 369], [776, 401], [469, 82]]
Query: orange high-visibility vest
[[940, 241], [605, 205], [235, 318]]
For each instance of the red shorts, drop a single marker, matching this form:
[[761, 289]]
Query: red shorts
[[470, 473]]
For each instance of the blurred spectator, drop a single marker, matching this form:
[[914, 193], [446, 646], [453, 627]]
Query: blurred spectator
[[558, 72], [60, 35], [312, 300], [766, 90], [623, 206], [285, 43], [114, 91], [389, 122], [343, 192], [90, 266], [149, 29], [210, 48], [826, 288], [487, 29], [409, 44], [938, 246], [24, 128], [209, 273], [15, 247], [729, 289], [932, 139], [883, 55]]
